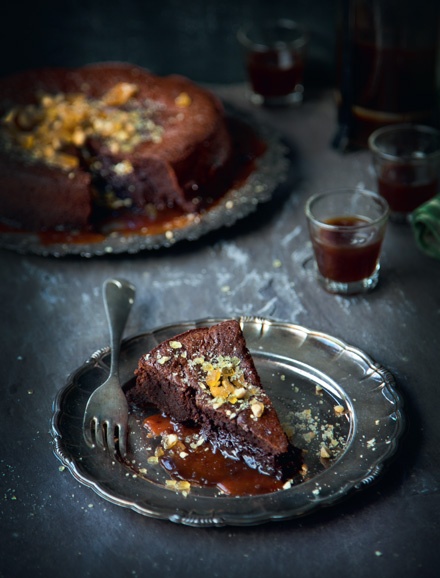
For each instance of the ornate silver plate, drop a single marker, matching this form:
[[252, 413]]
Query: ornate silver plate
[[270, 171], [343, 408]]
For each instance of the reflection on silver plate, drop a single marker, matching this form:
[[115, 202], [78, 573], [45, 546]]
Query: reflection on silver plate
[[333, 395], [270, 171]]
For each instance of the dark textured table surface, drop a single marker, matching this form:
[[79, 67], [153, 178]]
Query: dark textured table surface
[[52, 319]]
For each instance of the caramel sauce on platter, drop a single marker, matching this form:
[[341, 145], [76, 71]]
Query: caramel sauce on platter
[[186, 456]]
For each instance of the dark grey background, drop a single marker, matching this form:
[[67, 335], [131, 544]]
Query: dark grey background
[[193, 37]]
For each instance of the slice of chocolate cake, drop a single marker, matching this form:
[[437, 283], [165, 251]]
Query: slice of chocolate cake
[[207, 376]]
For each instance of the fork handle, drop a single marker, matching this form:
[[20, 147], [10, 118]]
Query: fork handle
[[118, 297]]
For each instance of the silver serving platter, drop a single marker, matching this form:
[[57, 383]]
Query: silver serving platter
[[270, 171], [309, 375]]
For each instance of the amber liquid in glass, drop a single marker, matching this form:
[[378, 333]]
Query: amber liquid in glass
[[275, 73], [341, 255], [399, 186]]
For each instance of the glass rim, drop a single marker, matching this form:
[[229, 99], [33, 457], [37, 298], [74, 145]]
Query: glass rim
[[286, 23], [364, 192], [375, 149]]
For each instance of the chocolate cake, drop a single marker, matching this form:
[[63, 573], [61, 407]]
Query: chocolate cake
[[108, 136], [206, 376]]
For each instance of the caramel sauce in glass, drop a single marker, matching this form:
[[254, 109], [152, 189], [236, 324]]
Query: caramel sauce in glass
[[403, 190], [274, 74], [338, 254]]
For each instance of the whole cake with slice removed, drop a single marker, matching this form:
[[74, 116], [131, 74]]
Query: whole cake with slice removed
[[105, 138], [207, 376]]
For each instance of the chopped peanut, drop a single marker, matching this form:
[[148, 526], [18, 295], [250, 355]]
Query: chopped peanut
[[183, 100], [257, 408]]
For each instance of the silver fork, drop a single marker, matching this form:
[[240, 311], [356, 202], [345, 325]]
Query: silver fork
[[106, 416]]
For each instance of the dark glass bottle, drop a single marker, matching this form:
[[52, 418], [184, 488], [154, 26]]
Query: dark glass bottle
[[387, 66]]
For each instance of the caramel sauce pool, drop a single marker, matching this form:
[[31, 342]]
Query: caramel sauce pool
[[190, 460]]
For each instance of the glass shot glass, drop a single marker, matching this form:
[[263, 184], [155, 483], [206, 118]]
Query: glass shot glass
[[274, 55], [406, 161], [347, 228]]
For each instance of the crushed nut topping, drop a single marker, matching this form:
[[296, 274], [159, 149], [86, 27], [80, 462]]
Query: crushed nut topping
[[221, 378], [226, 383], [52, 129], [123, 168]]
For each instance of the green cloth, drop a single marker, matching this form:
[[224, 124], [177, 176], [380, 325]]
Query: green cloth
[[425, 221]]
